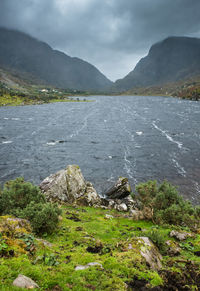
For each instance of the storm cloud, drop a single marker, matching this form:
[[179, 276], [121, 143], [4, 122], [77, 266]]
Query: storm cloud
[[111, 34]]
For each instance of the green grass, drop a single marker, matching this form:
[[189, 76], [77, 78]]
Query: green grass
[[56, 266], [8, 100]]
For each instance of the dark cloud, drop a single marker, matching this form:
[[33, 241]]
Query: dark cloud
[[111, 34]]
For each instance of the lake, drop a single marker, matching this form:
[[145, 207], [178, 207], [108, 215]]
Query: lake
[[138, 137]]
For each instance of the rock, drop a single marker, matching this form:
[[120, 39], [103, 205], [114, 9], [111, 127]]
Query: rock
[[90, 197], [180, 235], [174, 249], [24, 282], [147, 213], [107, 216], [150, 253], [120, 190], [70, 186], [44, 242], [14, 227], [122, 207], [137, 215], [81, 267]]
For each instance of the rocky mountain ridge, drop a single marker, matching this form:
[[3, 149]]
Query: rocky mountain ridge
[[37, 60], [171, 60]]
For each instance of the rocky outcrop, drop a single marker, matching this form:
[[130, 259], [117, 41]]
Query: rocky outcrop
[[120, 190], [70, 186], [24, 282], [125, 205]]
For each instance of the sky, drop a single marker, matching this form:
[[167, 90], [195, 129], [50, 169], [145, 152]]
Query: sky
[[111, 34]]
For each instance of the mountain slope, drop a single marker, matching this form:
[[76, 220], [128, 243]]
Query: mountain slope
[[171, 60], [21, 52]]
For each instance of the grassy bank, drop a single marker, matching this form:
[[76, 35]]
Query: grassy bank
[[86, 235]]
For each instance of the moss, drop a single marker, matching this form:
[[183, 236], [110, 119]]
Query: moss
[[69, 248]]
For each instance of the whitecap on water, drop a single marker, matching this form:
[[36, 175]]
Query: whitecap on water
[[7, 141], [139, 132], [52, 143]]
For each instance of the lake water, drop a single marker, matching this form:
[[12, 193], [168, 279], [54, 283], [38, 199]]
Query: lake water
[[138, 137]]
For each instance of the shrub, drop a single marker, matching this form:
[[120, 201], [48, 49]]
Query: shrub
[[43, 216], [24, 200], [166, 204], [17, 194]]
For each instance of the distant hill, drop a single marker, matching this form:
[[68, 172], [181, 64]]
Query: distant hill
[[186, 89], [173, 59], [33, 59]]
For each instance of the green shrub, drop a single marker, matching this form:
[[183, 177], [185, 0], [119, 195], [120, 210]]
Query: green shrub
[[23, 199], [166, 204], [43, 216], [17, 194]]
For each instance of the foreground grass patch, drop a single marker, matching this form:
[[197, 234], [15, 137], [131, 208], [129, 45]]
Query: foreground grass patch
[[84, 235]]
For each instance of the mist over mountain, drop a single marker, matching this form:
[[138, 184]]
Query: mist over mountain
[[173, 59], [27, 55]]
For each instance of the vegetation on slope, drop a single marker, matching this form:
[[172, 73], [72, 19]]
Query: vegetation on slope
[[36, 95], [93, 235], [185, 89]]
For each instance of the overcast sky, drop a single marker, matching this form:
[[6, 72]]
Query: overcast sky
[[111, 34]]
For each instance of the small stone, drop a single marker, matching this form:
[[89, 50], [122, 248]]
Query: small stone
[[122, 207], [137, 215], [44, 242], [107, 216], [82, 267], [130, 247], [180, 235], [24, 282]]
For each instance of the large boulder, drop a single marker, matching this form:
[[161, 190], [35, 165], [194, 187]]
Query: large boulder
[[120, 190], [69, 185]]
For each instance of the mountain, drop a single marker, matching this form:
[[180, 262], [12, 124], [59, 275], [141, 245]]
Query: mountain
[[35, 59], [171, 60]]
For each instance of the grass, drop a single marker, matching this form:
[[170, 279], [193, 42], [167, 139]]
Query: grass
[[8, 100], [53, 267]]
